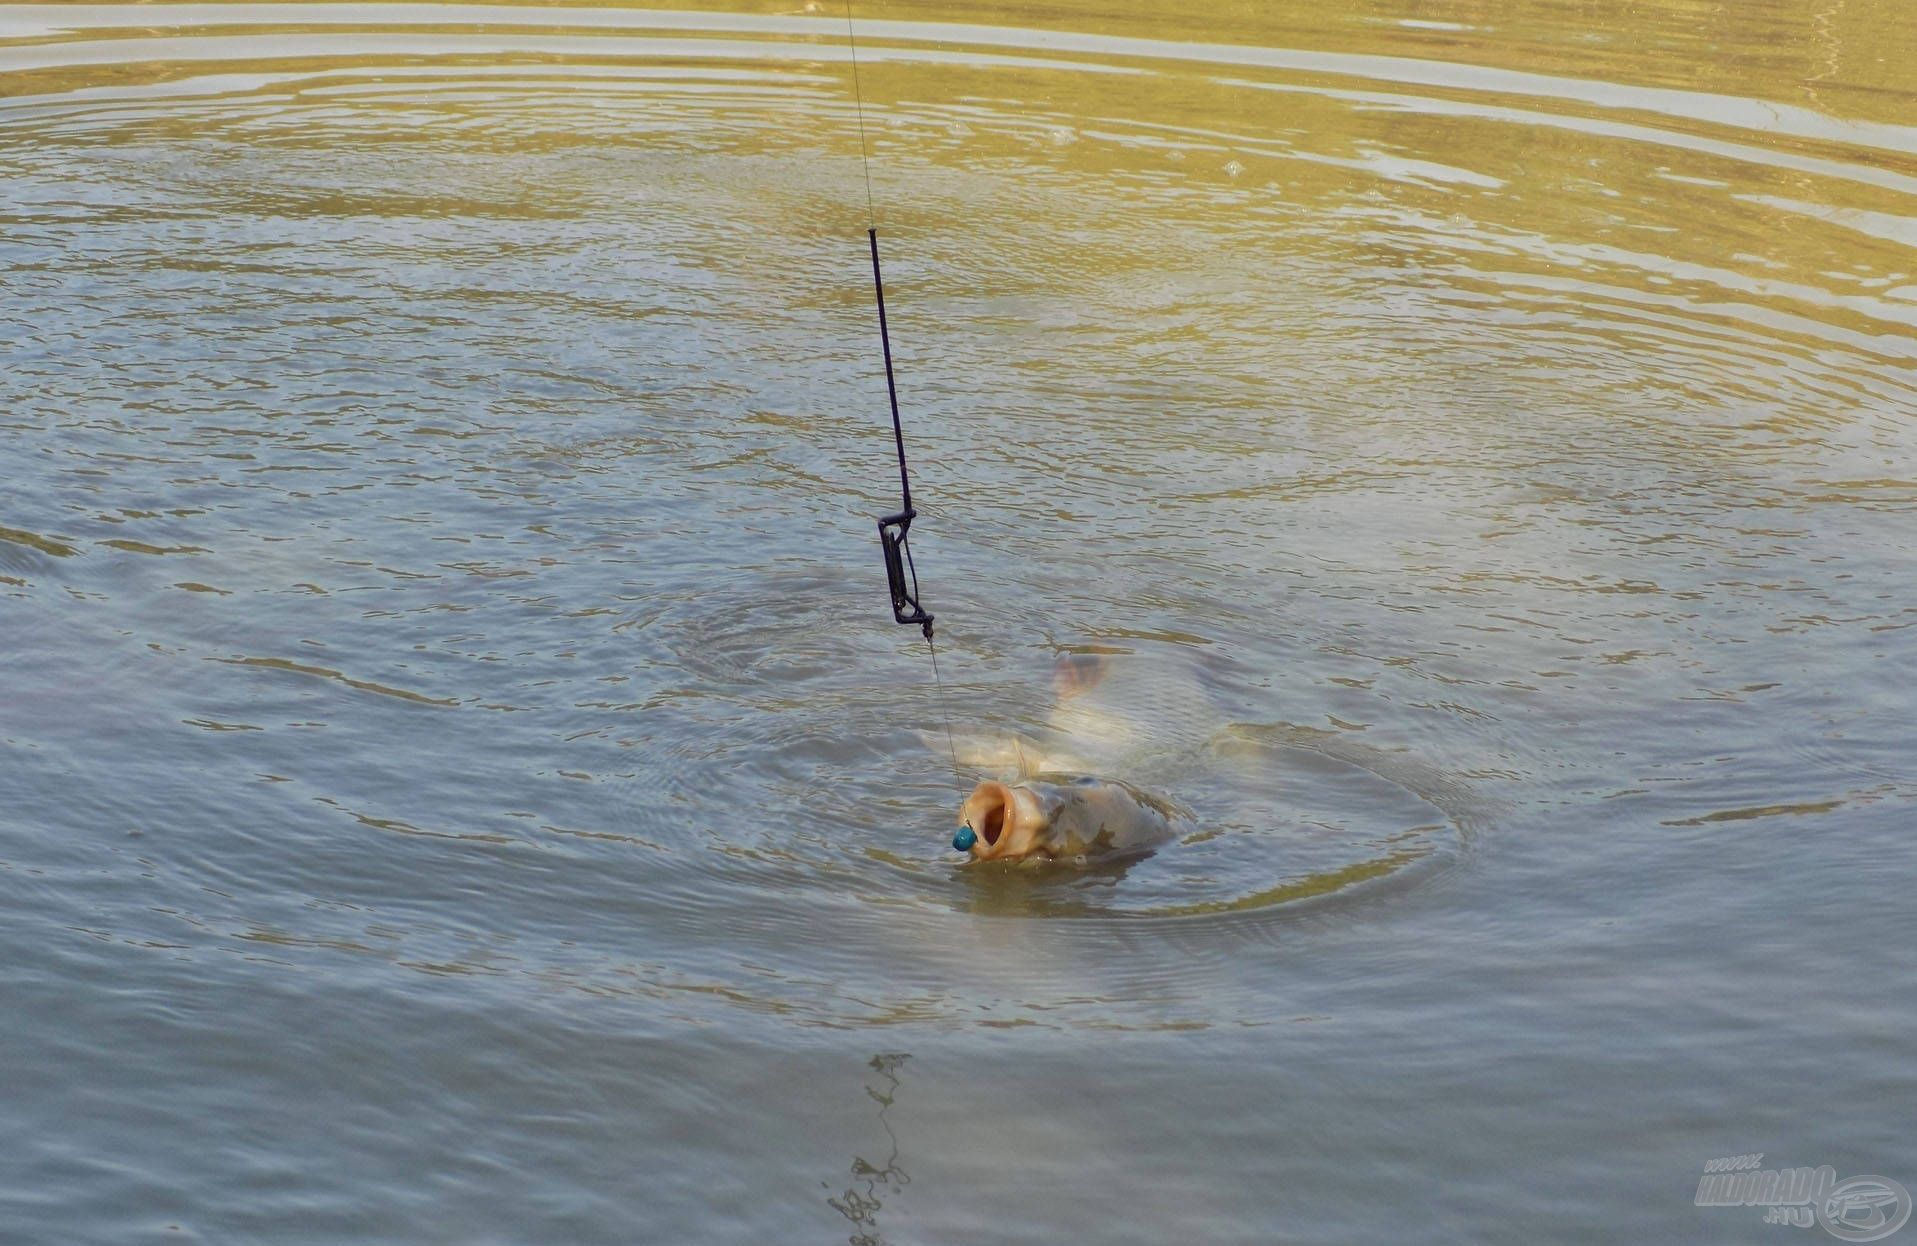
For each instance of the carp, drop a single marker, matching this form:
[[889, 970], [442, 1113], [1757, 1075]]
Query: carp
[[1069, 818]]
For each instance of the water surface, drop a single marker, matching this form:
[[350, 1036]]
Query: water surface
[[461, 782]]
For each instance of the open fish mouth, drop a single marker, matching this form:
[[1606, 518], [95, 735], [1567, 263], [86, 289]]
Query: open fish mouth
[[987, 812], [1007, 820]]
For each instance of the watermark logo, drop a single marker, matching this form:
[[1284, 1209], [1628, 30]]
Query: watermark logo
[[1861, 1209]]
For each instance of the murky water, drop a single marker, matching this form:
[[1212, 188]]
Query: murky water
[[461, 782]]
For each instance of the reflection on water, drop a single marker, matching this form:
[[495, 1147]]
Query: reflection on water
[[437, 572], [861, 1201]]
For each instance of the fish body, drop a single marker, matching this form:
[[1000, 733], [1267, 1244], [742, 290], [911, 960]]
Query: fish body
[[1066, 818]]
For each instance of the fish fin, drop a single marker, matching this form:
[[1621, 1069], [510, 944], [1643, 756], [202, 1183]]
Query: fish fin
[[1075, 673], [998, 755]]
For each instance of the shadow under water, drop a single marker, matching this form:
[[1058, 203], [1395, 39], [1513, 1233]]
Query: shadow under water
[[861, 1201]]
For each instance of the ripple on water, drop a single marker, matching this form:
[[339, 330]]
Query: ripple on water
[[1430, 398]]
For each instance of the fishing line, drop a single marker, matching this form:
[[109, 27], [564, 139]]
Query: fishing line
[[858, 105], [901, 574]]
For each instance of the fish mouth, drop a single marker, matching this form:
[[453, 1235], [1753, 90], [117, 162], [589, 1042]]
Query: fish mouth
[[995, 812], [988, 810]]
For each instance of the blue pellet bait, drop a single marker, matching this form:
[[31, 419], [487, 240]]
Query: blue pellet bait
[[966, 837]]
